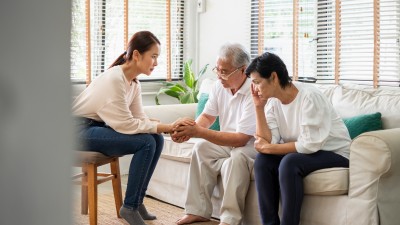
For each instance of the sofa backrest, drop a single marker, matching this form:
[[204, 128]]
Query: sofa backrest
[[170, 113], [351, 100]]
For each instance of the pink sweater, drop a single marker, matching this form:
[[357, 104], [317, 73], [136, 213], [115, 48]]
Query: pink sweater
[[116, 101]]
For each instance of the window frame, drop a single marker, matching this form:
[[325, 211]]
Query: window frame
[[174, 64], [335, 55]]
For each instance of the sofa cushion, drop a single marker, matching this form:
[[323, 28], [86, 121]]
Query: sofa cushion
[[200, 107], [331, 181], [351, 100], [363, 123], [181, 152]]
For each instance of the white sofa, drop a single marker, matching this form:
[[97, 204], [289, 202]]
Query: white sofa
[[368, 193]]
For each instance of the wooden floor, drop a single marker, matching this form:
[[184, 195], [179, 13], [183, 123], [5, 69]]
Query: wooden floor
[[166, 213]]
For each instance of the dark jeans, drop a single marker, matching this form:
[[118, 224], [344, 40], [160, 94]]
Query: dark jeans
[[146, 150], [283, 174]]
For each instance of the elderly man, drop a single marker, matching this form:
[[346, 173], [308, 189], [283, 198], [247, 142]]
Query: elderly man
[[229, 152]]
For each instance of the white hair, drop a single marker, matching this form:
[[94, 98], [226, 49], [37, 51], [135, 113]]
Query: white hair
[[235, 52]]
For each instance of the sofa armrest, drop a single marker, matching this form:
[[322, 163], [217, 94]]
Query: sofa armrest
[[375, 178], [170, 113]]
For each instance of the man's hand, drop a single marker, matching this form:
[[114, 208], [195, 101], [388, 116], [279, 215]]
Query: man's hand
[[181, 122], [184, 132]]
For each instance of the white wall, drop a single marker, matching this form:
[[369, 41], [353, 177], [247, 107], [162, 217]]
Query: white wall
[[223, 21]]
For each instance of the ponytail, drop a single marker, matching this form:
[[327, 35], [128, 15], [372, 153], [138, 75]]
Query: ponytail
[[141, 41], [119, 61]]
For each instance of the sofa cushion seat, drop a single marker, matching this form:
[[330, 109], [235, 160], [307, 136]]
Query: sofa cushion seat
[[178, 152], [330, 181]]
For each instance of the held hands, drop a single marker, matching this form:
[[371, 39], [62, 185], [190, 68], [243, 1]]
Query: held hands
[[179, 124], [184, 132], [185, 121]]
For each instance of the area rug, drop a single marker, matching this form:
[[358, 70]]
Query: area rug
[[166, 214]]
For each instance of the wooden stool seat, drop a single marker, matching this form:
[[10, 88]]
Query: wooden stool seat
[[90, 178]]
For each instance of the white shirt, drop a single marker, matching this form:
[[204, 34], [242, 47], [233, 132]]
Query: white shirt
[[236, 112], [116, 101], [310, 121]]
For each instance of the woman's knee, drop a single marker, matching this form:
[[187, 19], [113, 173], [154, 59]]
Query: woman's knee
[[158, 138], [145, 141], [265, 162], [290, 165]]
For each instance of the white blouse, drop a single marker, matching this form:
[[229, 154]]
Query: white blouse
[[310, 121]]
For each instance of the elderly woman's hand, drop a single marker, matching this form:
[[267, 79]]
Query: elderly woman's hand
[[261, 145], [258, 102]]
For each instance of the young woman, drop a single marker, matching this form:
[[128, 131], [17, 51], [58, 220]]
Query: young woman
[[112, 120], [297, 133]]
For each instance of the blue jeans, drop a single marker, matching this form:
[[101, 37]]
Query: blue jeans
[[283, 174], [146, 150]]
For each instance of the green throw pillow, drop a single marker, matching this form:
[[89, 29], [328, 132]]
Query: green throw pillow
[[363, 123], [200, 107]]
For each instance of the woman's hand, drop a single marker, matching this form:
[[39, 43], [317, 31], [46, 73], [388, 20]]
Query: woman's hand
[[181, 122], [180, 139], [258, 102], [261, 145], [185, 121], [184, 133]]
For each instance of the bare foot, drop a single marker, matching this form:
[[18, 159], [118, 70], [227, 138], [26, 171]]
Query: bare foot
[[190, 218]]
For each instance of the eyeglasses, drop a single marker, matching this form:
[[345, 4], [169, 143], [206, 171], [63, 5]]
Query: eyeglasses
[[222, 74]]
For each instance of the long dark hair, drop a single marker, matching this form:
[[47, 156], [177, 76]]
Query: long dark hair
[[141, 41]]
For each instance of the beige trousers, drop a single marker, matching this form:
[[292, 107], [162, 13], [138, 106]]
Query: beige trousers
[[234, 165]]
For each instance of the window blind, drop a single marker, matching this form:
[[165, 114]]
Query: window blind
[[78, 44], [356, 41], [278, 30], [286, 28], [113, 22], [107, 33], [256, 28], [389, 62], [306, 38], [325, 49]]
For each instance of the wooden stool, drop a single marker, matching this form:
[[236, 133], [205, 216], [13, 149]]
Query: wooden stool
[[89, 161]]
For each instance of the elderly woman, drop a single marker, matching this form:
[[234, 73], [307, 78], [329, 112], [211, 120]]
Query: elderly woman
[[297, 132]]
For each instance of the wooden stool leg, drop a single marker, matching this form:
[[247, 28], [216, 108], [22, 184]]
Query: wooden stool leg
[[92, 188], [84, 192], [116, 182]]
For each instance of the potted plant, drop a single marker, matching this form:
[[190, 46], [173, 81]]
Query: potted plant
[[186, 90]]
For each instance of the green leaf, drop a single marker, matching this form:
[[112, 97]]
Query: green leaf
[[186, 90], [168, 84], [195, 93], [202, 71], [188, 75], [181, 88], [177, 88], [187, 98], [167, 91]]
